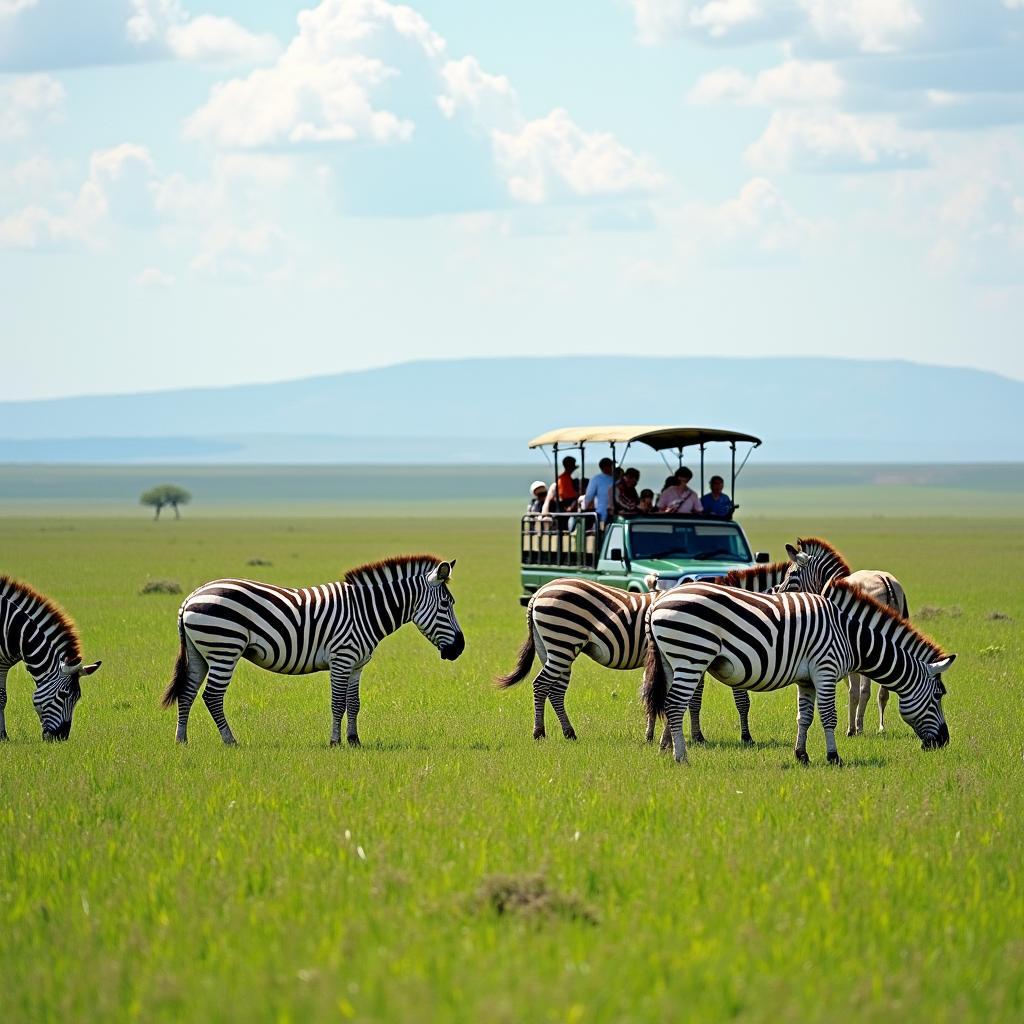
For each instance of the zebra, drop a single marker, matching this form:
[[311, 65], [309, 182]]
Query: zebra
[[815, 563], [331, 627], [36, 631], [573, 616], [767, 641]]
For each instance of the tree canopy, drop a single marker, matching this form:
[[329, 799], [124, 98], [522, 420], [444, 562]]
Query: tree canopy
[[165, 494]]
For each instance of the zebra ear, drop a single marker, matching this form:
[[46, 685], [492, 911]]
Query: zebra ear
[[440, 573], [938, 667], [796, 556]]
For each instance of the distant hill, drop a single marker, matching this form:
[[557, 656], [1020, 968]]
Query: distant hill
[[806, 410]]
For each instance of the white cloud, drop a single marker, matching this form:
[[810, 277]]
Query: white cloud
[[827, 140], [233, 254], [758, 223], [212, 39], [716, 21], [552, 158], [9, 8], [35, 227], [864, 26], [373, 71], [27, 100], [792, 83], [154, 278]]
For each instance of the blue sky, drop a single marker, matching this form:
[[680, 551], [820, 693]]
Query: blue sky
[[211, 192]]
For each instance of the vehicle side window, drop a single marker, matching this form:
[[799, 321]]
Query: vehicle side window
[[615, 540]]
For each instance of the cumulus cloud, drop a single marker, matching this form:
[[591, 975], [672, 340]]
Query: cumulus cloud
[[234, 254], [553, 158], [62, 34], [27, 100], [831, 141], [714, 21], [789, 84], [444, 133], [154, 278]]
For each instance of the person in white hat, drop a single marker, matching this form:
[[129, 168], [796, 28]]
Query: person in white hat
[[538, 497]]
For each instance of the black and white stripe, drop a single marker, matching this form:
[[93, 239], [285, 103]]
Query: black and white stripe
[[34, 630], [332, 627], [573, 616], [767, 641]]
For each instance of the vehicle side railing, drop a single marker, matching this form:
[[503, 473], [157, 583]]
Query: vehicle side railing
[[570, 540]]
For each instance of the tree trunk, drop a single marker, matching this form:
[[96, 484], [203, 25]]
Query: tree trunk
[[157, 516], [177, 514]]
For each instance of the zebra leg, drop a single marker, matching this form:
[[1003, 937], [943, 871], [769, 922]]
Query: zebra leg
[[3, 703], [804, 717], [556, 695], [863, 696], [742, 700], [197, 669], [666, 737], [685, 681], [339, 689], [352, 707], [883, 699], [649, 734], [544, 684], [826, 697], [222, 667], [851, 729], [696, 736]]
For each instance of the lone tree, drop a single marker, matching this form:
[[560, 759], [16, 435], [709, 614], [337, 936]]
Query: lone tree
[[166, 494]]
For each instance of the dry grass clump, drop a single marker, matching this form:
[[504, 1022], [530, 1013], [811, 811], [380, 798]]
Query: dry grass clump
[[259, 561], [161, 587], [934, 611], [529, 896], [995, 616]]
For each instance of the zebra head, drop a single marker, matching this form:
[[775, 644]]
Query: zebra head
[[813, 564], [921, 707], [56, 694], [434, 614]]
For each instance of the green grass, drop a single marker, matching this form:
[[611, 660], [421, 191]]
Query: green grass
[[286, 881]]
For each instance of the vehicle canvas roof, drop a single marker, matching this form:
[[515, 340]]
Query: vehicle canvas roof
[[657, 437]]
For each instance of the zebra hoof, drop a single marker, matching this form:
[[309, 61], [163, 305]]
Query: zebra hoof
[[353, 741], [834, 758], [335, 743], [539, 734], [569, 734], [801, 756], [747, 740], [698, 738], [4, 736]]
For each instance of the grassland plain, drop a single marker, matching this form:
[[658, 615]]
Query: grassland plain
[[286, 881]]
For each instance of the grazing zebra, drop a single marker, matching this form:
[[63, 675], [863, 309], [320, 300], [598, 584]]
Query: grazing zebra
[[767, 641], [34, 630], [332, 627], [569, 617], [815, 564]]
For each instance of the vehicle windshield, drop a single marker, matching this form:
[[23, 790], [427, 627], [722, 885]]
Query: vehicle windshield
[[696, 540]]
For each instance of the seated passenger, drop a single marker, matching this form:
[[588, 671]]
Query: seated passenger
[[646, 500], [568, 491], [716, 502], [687, 502], [599, 490], [626, 498], [670, 495], [538, 496]]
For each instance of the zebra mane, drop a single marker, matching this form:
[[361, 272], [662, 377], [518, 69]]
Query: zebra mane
[[861, 605], [391, 570], [817, 546], [763, 573], [44, 613]]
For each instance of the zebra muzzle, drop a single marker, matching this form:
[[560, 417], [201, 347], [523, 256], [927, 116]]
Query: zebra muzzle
[[451, 651]]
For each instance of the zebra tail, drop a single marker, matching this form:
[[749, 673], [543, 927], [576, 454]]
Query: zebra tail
[[526, 656], [180, 678], [655, 686]]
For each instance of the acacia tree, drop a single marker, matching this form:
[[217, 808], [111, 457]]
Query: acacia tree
[[166, 494]]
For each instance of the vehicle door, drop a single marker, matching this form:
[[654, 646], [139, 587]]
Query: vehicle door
[[612, 565]]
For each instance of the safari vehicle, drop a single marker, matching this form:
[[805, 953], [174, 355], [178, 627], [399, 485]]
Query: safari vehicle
[[634, 551]]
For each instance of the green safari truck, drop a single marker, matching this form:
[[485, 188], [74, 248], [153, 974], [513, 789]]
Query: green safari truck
[[633, 550]]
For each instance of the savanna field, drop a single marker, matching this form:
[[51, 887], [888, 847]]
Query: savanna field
[[455, 869]]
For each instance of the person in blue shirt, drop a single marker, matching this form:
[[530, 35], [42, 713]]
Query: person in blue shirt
[[600, 488], [716, 502]]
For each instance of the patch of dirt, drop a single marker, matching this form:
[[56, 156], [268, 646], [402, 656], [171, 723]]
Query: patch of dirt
[[529, 896]]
